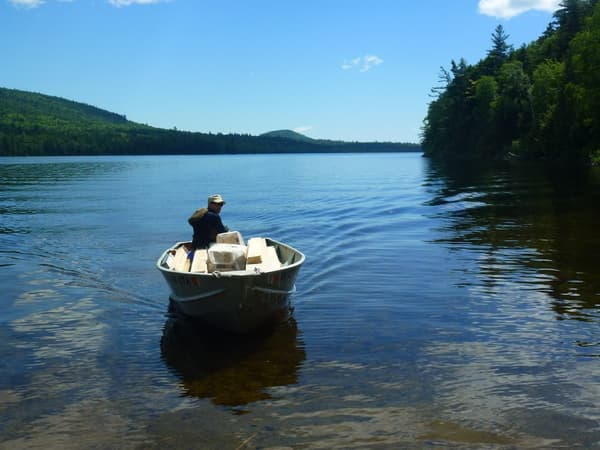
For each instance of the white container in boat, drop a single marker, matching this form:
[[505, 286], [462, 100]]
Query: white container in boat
[[226, 257], [230, 237]]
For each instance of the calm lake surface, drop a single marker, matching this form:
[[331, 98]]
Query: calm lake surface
[[439, 306]]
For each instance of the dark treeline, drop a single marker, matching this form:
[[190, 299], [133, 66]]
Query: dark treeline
[[36, 124], [541, 101]]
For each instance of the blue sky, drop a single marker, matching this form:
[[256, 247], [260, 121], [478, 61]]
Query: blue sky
[[331, 69]]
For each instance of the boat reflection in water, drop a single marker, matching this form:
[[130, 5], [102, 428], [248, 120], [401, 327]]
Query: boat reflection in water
[[229, 369]]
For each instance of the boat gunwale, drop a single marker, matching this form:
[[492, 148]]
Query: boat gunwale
[[228, 273]]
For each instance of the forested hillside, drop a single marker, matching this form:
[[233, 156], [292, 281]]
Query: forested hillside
[[541, 101], [37, 124]]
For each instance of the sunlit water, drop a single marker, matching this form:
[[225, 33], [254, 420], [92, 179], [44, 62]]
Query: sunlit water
[[438, 306]]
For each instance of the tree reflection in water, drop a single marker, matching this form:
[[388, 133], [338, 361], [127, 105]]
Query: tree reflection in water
[[532, 225]]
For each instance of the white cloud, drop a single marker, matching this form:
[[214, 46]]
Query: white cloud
[[362, 63], [303, 129], [350, 64], [505, 9], [27, 3]]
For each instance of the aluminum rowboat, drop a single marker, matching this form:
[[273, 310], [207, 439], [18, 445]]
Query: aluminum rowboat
[[238, 301]]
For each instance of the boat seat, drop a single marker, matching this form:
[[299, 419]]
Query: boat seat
[[257, 246], [269, 261], [181, 263], [199, 261], [272, 260]]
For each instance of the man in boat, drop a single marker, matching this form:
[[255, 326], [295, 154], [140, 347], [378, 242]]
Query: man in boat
[[207, 223]]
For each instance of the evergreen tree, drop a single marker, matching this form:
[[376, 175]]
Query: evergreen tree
[[499, 52], [582, 91], [548, 81], [540, 101], [569, 20]]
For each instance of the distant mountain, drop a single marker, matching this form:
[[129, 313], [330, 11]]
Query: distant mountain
[[29, 104], [38, 124], [288, 134]]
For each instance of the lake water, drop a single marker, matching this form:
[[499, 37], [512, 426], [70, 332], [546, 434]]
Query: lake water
[[439, 306]]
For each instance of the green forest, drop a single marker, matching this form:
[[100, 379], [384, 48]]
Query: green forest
[[33, 124], [540, 101]]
